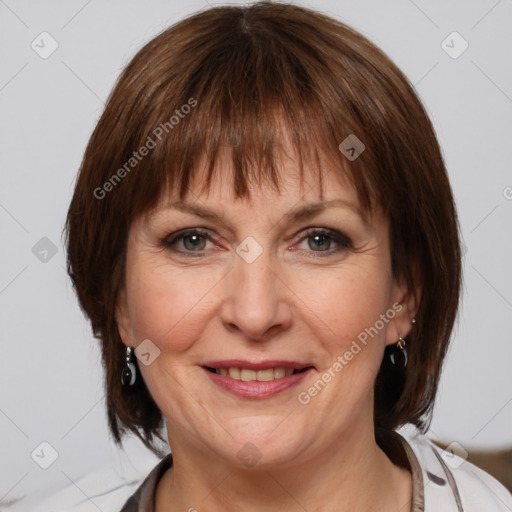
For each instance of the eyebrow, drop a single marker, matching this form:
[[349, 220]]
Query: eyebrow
[[298, 214]]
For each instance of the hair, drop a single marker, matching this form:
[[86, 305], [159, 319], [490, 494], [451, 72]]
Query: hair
[[242, 77]]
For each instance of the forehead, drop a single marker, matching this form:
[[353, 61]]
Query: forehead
[[276, 171], [300, 195], [314, 181]]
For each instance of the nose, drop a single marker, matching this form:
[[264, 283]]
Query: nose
[[257, 304]]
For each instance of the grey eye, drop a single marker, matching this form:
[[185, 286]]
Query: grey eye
[[320, 241], [197, 242]]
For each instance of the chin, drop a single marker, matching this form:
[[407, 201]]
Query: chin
[[263, 442]]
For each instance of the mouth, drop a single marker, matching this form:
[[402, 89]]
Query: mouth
[[256, 380]]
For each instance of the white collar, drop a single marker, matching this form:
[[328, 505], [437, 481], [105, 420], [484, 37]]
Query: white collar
[[452, 484]]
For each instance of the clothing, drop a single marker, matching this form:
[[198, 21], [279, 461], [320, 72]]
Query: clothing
[[441, 482]]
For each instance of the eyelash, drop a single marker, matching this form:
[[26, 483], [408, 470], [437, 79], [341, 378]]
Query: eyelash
[[343, 241]]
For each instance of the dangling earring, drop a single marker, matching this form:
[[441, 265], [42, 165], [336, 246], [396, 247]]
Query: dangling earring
[[129, 373], [398, 355]]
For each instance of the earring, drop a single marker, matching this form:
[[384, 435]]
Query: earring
[[129, 373], [398, 355]]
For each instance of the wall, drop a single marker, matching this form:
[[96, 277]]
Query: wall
[[50, 375]]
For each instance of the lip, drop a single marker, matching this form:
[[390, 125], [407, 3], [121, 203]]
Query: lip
[[256, 389]]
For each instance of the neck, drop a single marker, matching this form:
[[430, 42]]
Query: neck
[[355, 476]]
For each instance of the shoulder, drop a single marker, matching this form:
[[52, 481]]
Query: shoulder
[[445, 473], [109, 489]]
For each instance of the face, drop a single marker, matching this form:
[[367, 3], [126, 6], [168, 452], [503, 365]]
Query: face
[[266, 293]]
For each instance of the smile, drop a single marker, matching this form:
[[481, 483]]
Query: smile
[[256, 380]]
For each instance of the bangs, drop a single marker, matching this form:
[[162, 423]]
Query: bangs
[[244, 91]]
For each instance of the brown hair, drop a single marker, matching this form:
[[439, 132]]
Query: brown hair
[[229, 76]]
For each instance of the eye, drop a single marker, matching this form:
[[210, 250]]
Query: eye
[[321, 240], [193, 241]]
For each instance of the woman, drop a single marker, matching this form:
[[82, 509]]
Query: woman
[[264, 238]]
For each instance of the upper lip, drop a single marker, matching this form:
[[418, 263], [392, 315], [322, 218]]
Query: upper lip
[[261, 365]]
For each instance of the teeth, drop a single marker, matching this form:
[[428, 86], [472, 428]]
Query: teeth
[[279, 373], [247, 374], [265, 375], [234, 373], [255, 375]]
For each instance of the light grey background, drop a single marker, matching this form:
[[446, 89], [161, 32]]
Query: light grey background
[[50, 375]]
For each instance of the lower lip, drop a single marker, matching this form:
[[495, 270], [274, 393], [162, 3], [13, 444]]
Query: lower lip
[[256, 389]]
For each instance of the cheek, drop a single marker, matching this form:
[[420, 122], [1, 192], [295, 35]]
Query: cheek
[[169, 306], [343, 314], [172, 307], [346, 303]]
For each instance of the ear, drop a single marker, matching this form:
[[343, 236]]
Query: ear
[[405, 302], [124, 324]]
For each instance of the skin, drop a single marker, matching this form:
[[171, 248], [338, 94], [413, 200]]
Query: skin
[[290, 303]]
